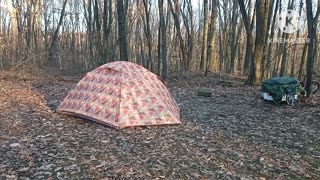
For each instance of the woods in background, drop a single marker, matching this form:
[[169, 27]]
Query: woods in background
[[235, 37]]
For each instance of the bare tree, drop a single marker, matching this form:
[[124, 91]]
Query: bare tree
[[175, 13], [248, 24], [163, 35], [14, 30], [211, 41], [107, 23], [84, 35], [205, 37], [312, 35], [268, 61], [187, 16], [54, 42], [122, 31], [262, 9], [147, 31]]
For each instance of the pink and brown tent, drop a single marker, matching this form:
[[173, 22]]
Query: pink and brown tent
[[122, 94]]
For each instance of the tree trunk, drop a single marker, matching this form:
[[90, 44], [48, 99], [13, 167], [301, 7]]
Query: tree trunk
[[175, 13], [123, 46], [267, 68], [107, 22], [148, 33], [205, 37], [248, 23], [163, 29], [295, 49], [234, 38], [211, 45], [53, 54], [249, 63], [14, 31], [262, 9], [284, 56], [188, 22], [303, 60], [99, 55], [312, 35]]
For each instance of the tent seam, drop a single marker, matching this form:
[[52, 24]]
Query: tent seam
[[119, 108]]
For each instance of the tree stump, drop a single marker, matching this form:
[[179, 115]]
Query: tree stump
[[205, 92]]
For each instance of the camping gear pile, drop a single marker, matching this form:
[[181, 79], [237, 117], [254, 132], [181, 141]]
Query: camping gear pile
[[122, 94], [281, 89]]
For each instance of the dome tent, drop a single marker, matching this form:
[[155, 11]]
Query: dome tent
[[122, 94]]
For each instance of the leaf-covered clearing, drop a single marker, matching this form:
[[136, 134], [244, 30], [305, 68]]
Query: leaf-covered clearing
[[233, 134]]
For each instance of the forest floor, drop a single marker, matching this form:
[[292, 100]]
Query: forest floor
[[231, 135]]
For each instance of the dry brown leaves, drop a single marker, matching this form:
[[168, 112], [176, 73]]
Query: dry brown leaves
[[233, 134]]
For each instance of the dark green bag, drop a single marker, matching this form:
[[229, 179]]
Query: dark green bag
[[280, 86]]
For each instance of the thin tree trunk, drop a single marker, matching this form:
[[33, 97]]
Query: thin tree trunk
[[303, 61], [148, 33], [234, 38], [211, 45], [163, 29], [249, 63], [205, 37], [174, 12], [292, 73], [312, 35], [269, 52], [123, 46], [262, 9], [38, 24], [248, 26], [188, 22], [14, 31], [99, 56], [284, 56], [53, 59], [107, 22]]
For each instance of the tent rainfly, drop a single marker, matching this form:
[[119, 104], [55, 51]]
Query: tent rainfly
[[122, 94]]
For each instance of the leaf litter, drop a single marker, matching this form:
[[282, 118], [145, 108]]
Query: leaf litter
[[233, 135]]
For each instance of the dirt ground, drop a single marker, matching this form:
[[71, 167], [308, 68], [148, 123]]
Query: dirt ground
[[231, 135]]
